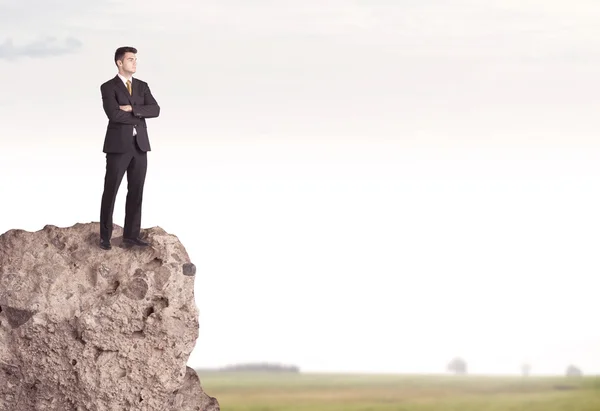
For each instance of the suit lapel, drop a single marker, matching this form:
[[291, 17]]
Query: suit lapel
[[121, 86], [135, 89]]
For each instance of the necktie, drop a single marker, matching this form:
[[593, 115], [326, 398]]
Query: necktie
[[129, 86]]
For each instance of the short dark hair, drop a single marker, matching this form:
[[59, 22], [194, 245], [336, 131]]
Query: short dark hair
[[120, 53]]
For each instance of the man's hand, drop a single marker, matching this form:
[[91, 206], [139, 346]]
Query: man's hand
[[126, 108]]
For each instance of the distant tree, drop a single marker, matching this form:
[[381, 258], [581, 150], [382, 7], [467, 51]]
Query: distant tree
[[525, 370], [573, 371], [457, 366]]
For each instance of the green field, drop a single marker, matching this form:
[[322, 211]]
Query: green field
[[344, 392]]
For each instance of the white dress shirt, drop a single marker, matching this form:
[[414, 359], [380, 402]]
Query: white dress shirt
[[125, 82]]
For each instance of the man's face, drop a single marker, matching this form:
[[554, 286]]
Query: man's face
[[129, 63]]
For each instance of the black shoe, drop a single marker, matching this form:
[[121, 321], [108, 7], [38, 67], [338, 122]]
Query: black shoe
[[105, 244], [135, 241]]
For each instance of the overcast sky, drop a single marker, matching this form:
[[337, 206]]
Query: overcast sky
[[363, 185]]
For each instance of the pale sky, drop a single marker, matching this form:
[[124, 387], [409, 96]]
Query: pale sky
[[371, 186]]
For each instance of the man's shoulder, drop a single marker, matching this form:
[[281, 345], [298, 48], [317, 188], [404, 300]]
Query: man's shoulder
[[107, 83], [135, 79]]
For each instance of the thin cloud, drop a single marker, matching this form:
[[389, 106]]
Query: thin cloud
[[43, 14], [47, 47]]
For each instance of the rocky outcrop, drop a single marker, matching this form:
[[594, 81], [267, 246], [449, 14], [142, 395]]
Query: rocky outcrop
[[84, 329]]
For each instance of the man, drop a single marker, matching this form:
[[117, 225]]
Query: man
[[127, 103]]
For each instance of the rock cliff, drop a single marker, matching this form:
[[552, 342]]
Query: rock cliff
[[84, 329]]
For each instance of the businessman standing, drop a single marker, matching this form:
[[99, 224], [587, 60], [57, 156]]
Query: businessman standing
[[127, 102]]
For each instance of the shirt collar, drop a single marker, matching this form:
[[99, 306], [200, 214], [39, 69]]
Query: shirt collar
[[123, 78]]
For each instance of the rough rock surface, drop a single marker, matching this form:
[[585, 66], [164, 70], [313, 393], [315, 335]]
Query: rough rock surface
[[84, 329]]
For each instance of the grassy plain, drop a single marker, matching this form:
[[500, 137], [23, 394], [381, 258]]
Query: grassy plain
[[351, 392]]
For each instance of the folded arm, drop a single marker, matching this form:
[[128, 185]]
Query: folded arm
[[149, 109], [112, 110]]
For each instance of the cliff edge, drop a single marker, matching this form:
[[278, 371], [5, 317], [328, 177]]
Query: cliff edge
[[84, 329]]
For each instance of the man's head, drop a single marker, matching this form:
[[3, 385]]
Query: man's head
[[126, 60]]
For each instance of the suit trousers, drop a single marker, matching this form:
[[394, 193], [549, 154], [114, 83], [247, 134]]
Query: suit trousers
[[135, 164]]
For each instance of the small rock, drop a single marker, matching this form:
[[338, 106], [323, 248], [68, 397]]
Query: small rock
[[189, 269]]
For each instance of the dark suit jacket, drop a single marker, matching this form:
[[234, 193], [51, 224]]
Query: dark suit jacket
[[119, 131]]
